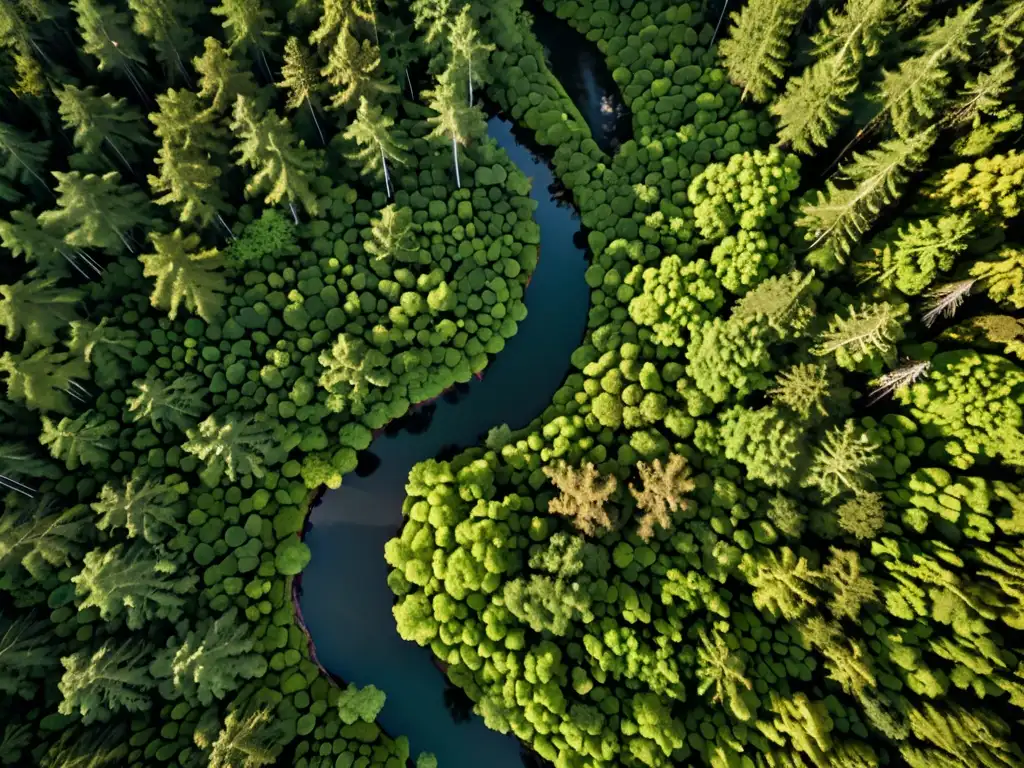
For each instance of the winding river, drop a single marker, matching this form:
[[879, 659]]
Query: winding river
[[346, 602]]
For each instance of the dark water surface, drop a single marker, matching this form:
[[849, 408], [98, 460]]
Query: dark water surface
[[346, 601]]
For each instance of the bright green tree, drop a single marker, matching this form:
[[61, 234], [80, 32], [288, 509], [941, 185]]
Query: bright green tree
[[756, 51], [842, 461], [108, 36], [246, 741], [132, 584], [353, 70], [355, 704], [283, 168], [99, 118], [248, 24], [44, 380], [179, 402], [300, 77], [352, 371], [378, 142], [184, 275], [191, 184], [913, 94], [454, 120], [170, 26], [143, 507], [233, 446], [40, 246], [211, 661], [468, 50], [97, 211], [222, 79], [85, 440], [392, 236], [38, 309], [108, 348], [102, 684]]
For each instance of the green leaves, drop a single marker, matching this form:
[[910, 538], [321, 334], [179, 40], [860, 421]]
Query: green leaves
[[37, 309], [756, 51]]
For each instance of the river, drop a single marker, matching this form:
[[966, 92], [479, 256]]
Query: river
[[346, 602]]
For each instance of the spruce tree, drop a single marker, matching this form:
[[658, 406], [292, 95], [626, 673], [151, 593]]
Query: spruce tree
[[184, 275], [353, 69], [248, 24], [134, 584], [468, 51], [222, 79], [41, 536], [432, 18], [1005, 30], [391, 235], [815, 102], [44, 380], [212, 661], [97, 211], [102, 684], [38, 309], [454, 120], [144, 507], [169, 26], [663, 496], [108, 348], [757, 50], [26, 238], [108, 36], [283, 168], [22, 161], [191, 184], [179, 403], [85, 440], [841, 215], [378, 141], [26, 655], [912, 95], [181, 122], [583, 496], [99, 118], [230, 445], [300, 77], [246, 741]]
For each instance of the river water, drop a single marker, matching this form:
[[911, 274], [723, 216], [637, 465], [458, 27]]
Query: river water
[[346, 602]]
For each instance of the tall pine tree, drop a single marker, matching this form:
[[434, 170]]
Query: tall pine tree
[[379, 143], [757, 50]]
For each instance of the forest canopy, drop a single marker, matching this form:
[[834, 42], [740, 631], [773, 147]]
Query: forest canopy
[[771, 519]]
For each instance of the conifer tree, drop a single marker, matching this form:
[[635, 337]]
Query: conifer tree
[[38, 308], [230, 445], [783, 586], [283, 167], [815, 102], [212, 661], [108, 36], [850, 588], [839, 217], [467, 49], [26, 655], [26, 238], [181, 122], [378, 141], [956, 736], [144, 507], [222, 79], [99, 117], [584, 493], [353, 70], [246, 741], [179, 403], [133, 583], [248, 24], [391, 235], [910, 256], [1005, 30], [664, 488], [169, 26], [41, 537], [723, 671], [351, 372], [22, 161], [19, 464], [912, 95], [191, 184], [300, 77], [99, 685], [757, 50], [97, 211], [184, 275], [432, 18], [333, 18], [842, 461], [18, 25], [454, 120], [44, 380], [85, 440], [863, 335]]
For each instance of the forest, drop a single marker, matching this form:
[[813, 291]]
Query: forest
[[773, 517]]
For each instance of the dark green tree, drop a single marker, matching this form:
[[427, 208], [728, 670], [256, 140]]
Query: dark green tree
[[98, 119], [38, 309], [113, 679]]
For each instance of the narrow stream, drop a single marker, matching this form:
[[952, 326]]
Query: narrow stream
[[346, 601]]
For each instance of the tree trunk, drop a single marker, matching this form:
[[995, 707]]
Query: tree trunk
[[455, 154], [412, 93], [471, 81], [315, 121], [387, 176]]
